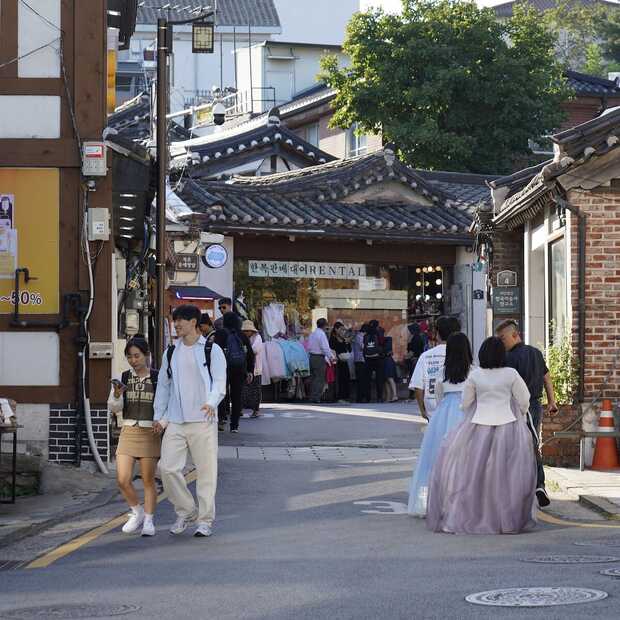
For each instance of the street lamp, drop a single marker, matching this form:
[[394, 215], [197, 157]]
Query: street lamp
[[202, 36]]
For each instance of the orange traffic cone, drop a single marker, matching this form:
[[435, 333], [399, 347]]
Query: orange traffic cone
[[606, 451]]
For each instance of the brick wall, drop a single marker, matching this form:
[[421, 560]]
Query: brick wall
[[560, 452], [62, 434], [602, 207], [508, 254]]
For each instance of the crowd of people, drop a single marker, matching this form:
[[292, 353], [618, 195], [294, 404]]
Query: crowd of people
[[479, 469]]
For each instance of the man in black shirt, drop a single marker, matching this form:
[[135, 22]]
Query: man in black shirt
[[529, 362]]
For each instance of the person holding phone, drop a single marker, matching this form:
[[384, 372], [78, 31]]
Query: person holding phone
[[133, 396]]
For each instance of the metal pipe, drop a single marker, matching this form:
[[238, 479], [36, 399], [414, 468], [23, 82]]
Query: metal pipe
[[162, 165]]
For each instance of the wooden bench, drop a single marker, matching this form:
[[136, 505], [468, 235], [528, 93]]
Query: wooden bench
[[582, 436]]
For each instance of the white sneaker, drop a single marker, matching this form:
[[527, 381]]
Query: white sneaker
[[136, 518], [148, 529], [203, 530], [180, 525]]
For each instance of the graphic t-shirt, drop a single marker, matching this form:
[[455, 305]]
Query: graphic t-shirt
[[428, 372]]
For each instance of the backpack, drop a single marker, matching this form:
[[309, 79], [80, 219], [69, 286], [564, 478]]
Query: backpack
[[235, 352], [372, 346], [125, 378], [208, 347]]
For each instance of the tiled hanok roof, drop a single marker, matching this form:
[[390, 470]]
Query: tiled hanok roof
[[573, 148], [319, 201], [592, 85], [259, 13], [212, 155], [133, 121], [470, 188]]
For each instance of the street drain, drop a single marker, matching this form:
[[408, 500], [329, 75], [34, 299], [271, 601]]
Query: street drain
[[611, 572], [535, 597], [69, 611], [571, 559], [602, 542]]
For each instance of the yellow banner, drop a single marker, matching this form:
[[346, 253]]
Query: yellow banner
[[29, 238]]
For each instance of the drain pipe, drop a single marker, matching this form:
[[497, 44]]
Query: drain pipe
[[581, 292]]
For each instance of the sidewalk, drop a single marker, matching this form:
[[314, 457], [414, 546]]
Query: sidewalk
[[598, 490], [68, 492]]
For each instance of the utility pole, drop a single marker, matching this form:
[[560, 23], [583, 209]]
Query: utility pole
[[162, 168], [202, 42]]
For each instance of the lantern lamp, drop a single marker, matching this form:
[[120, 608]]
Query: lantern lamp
[[203, 36]]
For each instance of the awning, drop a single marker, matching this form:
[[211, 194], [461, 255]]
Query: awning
[[194, 292]]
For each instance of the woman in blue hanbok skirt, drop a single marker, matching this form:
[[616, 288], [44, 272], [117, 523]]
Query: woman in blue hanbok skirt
[[447, 415]]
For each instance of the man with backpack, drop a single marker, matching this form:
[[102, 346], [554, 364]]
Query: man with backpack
[[374, 356], [240, 368], [190, 386]]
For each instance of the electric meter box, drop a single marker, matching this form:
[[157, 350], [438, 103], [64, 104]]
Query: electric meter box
[[94, 160], [98, 224]]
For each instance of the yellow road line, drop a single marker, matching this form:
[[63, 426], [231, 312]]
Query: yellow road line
[[547, 518], [77, 543]]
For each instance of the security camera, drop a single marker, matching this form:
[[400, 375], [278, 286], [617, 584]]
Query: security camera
[[219, 113]]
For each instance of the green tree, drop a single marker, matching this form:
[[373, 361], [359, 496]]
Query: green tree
[[575, 26], [608, 28], [449, 85], [594, 63]]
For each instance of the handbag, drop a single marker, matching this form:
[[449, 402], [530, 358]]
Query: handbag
[[345, 356]]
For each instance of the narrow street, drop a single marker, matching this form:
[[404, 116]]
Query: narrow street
[[311, 524]]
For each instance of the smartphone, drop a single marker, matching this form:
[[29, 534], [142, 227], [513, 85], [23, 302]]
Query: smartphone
[[117, 383]]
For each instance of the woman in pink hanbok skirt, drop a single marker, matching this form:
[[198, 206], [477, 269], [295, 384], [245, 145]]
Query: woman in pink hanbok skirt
[[484, 479]]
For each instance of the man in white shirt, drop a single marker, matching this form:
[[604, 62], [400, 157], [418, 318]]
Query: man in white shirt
[[190, 386], [430, 367], [320, 356]]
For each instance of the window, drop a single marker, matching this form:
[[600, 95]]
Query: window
[[311, 134], [557, 289], [356, 144]]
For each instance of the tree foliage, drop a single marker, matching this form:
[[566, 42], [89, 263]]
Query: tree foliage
[[608, 28], [449, 85]]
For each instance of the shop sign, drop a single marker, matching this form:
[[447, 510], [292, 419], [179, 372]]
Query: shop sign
[[507, 300], [186, 262], [507, 278], [215, 256], [300, 269], [29, 238]]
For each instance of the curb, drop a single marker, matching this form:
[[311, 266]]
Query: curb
[[597, 504], [101, 500]]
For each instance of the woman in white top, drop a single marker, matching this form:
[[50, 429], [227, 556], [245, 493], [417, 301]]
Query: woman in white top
[[252, 392], [484, 479]]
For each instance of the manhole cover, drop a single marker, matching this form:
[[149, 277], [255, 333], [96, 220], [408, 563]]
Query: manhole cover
[[535, 597], [69, 611], [571, 559], [599, 542], [611, 572]]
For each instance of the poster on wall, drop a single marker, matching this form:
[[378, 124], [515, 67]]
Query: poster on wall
[[29, 239]]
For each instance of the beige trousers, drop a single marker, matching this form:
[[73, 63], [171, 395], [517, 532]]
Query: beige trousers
[[199, 439]]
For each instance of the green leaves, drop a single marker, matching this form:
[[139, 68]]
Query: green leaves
[[447, 83]]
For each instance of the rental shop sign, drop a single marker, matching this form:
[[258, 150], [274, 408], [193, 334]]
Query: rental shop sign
[[302, 269]]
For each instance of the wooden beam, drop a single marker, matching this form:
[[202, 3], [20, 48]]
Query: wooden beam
[[8, 38], [39, 153]]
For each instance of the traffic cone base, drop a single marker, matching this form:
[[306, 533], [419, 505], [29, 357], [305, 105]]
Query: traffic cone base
[[606, 450]]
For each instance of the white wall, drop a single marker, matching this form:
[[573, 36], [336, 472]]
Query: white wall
[[29, 116], [29, 358], [315, 21], [35, 32]]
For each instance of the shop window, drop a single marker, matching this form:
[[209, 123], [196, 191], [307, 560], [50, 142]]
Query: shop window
[[356, 144], [557, 290]]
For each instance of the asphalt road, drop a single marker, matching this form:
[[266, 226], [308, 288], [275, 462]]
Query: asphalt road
[[301, 538]]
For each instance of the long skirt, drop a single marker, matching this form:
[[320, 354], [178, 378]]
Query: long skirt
[[447, 415], [484, 480], [251, 395]]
